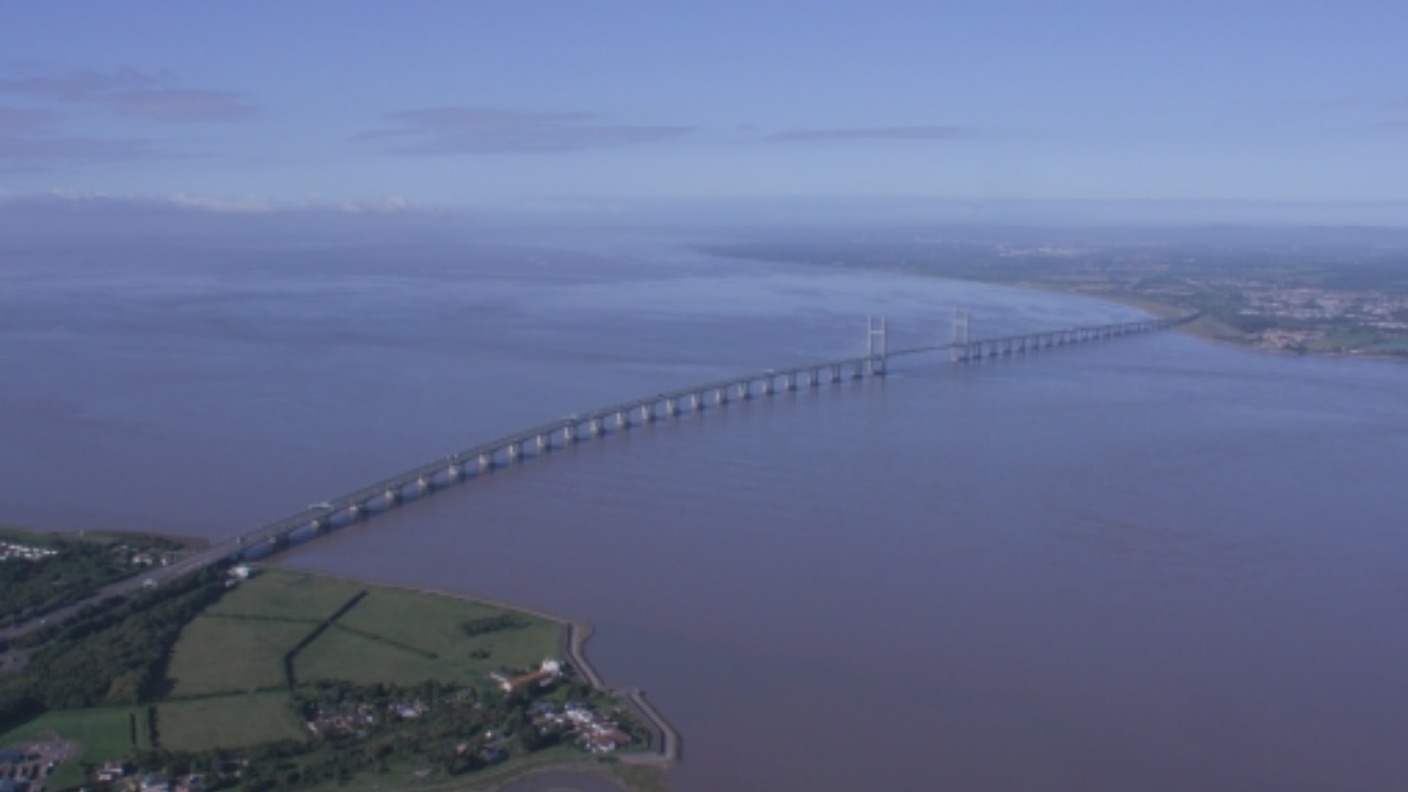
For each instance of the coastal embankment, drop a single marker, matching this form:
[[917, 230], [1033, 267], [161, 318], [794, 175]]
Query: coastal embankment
[[664, 739]]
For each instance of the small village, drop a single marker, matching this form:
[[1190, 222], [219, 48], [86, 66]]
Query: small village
[[14, 551], [346, 716], [121, 552], [24, 768]]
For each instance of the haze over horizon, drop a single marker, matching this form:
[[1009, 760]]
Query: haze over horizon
[[998, 112]]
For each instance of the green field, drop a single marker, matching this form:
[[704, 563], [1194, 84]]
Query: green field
[[411, 626], [101, 733], [227, 721], [390, 635], [232, 655], [278, 594], [228, 687]]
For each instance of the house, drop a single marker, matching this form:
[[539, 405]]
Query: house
[[548, 672]]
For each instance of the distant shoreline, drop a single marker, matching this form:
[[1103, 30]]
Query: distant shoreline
[[1199, 328]]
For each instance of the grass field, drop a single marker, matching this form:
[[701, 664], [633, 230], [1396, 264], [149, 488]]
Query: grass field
[[413, 624], [287, 595], [391, 635], [229, 655], [227, 721], [227, 666], [102, 733]]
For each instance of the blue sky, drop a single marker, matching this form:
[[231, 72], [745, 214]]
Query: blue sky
[[524, 103]]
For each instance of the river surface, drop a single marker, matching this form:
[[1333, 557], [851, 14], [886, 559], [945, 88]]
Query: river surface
[[1152, 563]]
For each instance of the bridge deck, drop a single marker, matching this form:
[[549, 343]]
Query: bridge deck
[[462, 462]]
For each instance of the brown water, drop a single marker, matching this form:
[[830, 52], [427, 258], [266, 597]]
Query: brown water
[[1151, 564]]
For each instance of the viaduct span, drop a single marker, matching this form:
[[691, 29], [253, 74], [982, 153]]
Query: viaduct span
[[580, 427], [518, 447]]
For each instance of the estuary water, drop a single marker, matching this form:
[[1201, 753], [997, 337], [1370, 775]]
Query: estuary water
[[1153, 563]]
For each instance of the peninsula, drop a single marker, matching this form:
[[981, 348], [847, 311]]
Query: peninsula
[[266, 679]]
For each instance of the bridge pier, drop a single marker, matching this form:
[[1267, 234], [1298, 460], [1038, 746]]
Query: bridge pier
[[372, 500]]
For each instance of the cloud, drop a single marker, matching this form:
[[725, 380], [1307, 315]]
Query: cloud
[[81, 86], [74, 200], [870, 133], [178, 105], [17, 123], [471, 130], [28, 137], [133, 93]]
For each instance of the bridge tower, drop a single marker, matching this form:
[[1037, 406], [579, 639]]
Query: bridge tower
[[962, 335], [877, 344]]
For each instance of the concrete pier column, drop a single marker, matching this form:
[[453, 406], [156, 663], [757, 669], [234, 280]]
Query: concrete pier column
[[745, 390], [671, 408], [515, 450], [355, 511], [486, 461], [569, 434], [422, 485], [391, 498], [721, 395], [453, 473], [622, 420], [767, 386], [647, 413], [696, 401], [595, 427], [317, 526], [543, 442]]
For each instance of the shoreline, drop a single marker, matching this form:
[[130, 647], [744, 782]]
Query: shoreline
[[666, 744], [1157, 309]]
